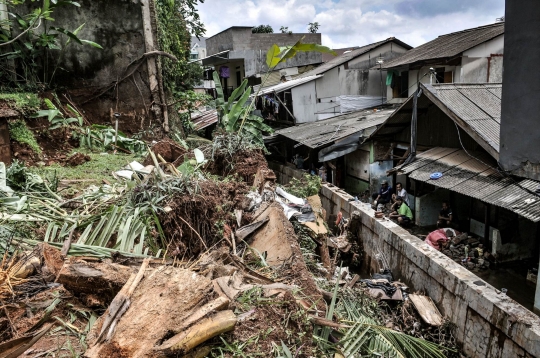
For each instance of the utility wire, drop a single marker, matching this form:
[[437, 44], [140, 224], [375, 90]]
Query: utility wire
[[498, 169]]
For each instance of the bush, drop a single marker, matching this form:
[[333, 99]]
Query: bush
[[307, 186]]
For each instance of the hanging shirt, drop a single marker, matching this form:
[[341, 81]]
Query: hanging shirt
[[224, 72]]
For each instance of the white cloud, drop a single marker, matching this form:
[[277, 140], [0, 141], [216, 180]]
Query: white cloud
[[347, 23]]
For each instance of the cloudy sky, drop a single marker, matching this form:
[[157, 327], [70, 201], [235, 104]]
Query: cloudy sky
[[347, 23]]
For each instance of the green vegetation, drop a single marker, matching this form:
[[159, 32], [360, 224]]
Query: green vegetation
[[307, 186], [235, 116], [262, 29], [175, 20], [23, 102], [19, 132], [99, 168], [35, 41]]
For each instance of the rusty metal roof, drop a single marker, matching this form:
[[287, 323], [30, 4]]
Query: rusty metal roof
[[473, 174], [448, 46], [205, 119], [320, 133]]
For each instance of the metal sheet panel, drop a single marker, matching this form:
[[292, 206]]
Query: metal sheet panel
[[320, 133], [284, 86], [478, 179], [449, 45], [427, 157]]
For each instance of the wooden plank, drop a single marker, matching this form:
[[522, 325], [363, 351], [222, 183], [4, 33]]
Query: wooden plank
[[427, 309], [247, 230]]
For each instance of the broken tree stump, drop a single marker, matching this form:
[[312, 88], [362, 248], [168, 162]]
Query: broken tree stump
[[105, 279], [161, 305]]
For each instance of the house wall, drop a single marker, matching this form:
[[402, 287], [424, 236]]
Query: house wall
[[480, 64], [426, 78], [488, 324], [355, 77], [304, 99], [328, 85], [285, 172], [427, 207], [357, 170]]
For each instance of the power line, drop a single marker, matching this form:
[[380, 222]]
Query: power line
[[497, 169]]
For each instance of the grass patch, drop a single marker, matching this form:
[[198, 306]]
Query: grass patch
[[24, 102], [19, 132], [93, 172]]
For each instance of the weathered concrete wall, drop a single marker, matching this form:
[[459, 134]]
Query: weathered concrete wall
[[428, 207], [521, 95], [488, 324], [243, 44], [304, 99], [285, 172], [118, 26], [225, 40]]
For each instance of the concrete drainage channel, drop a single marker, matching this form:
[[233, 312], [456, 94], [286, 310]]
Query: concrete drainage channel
[[489, 323]]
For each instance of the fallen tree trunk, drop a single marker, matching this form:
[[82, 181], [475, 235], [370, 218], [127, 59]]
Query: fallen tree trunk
[[206, 329]]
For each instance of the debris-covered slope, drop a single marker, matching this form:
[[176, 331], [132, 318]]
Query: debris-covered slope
[[194, 254]]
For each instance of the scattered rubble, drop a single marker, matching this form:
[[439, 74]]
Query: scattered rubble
[[196, 257]]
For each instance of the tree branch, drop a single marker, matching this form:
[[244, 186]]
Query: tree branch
[[21, 34]]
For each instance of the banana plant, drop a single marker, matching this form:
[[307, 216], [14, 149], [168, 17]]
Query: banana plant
[[232, 111], [277, 55]]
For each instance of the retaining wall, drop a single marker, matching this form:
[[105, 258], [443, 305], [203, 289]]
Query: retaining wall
[[488, 323], [285, 172]]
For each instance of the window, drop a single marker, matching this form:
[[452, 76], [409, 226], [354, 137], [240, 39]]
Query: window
[[194, 56]]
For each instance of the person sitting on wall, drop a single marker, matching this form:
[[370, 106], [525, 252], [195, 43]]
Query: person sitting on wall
[[385, 194], [401, 212], [402, 193], [445, 216]]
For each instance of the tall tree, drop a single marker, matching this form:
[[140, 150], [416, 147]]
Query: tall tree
[[313, 27], [262, 29]]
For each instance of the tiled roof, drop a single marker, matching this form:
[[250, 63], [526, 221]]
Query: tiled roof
[[448, 46]]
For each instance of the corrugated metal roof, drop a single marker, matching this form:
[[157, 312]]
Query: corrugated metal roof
[[320, 133], [448, 46], [346, 57], [204, 119], [283, 86], [473, 174], [476, 105]]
